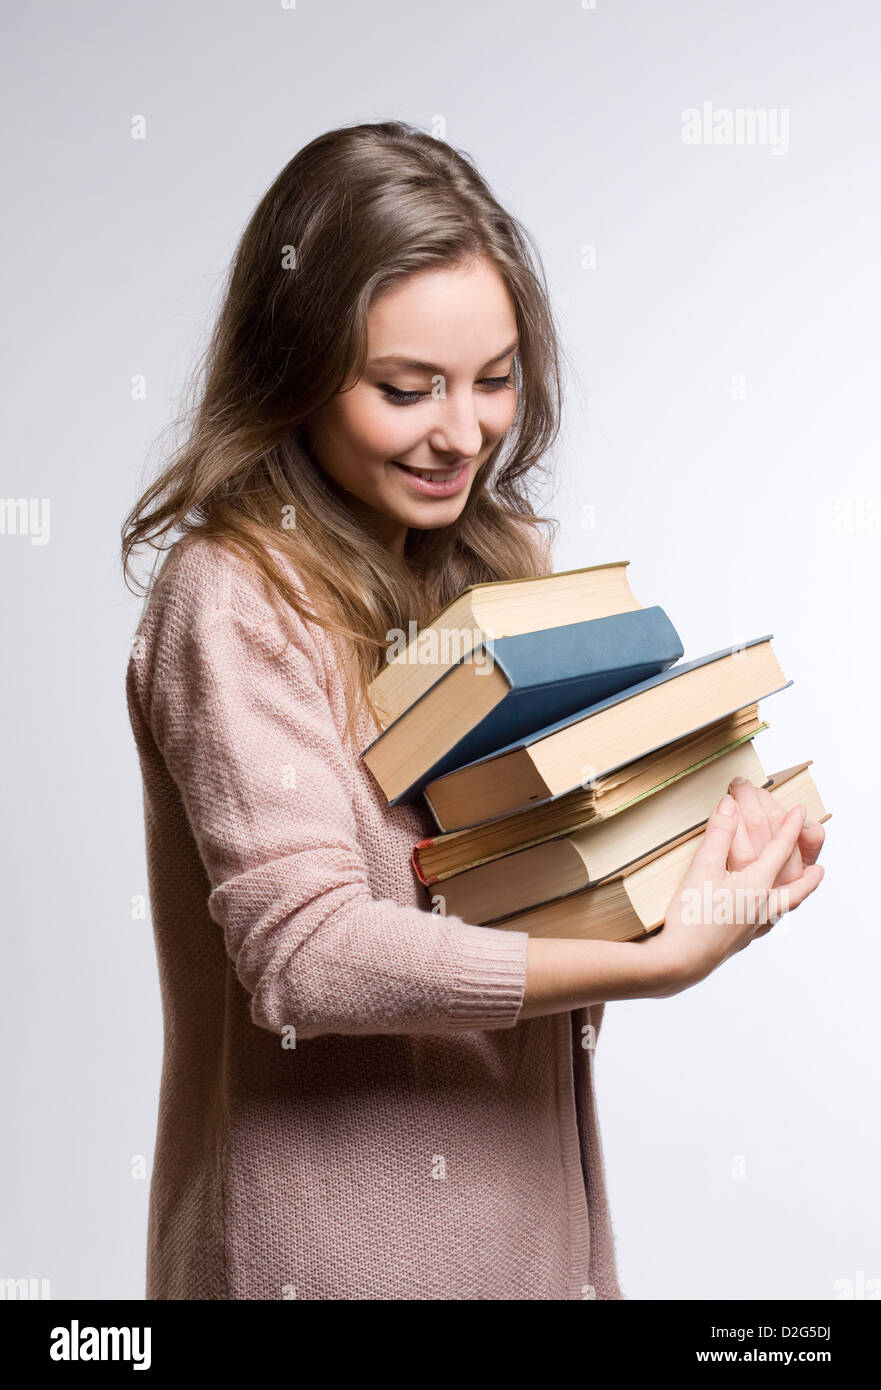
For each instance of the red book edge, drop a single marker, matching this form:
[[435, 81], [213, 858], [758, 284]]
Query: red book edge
[[414, 859]]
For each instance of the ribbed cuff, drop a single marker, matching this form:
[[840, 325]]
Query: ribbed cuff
[[492, 977]]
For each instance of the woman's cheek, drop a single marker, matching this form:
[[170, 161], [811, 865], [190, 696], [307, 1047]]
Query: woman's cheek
[[502, 414], [385, 435]]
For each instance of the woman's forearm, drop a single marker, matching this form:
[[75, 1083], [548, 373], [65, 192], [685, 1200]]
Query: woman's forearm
[[567, 974]]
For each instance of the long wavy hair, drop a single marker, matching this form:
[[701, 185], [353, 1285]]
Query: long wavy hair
[[353, 212]]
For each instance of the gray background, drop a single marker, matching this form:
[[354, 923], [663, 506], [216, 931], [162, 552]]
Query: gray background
[[740, 1119]]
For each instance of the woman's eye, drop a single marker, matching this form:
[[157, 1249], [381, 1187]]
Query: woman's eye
[[393, 393], [497, 383], [401, 397]]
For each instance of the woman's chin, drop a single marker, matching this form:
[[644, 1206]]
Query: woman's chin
[[433, 513]]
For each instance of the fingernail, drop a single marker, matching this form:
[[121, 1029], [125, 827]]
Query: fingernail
[[735, 781], [726, 805]]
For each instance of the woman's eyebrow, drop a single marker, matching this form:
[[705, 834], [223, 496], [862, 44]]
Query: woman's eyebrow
[[432, 366]]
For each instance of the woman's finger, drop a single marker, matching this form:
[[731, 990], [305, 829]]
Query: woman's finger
[[763, 873], [810, 841], [752, 813], [791, 895], [776, 814], [742, 851], [714, 845]]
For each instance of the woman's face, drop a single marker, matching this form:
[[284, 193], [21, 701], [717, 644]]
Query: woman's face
[[435, 398]]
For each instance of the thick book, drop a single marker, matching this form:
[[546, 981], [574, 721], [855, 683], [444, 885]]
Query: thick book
[[508, 686], [562, 865], [502, 608], [438, 857], [593, 741], [635, 903]]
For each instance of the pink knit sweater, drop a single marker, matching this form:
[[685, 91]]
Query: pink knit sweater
[[349, 1108]]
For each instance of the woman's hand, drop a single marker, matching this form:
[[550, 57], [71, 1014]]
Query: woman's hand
[[717, 911], [761, 816]]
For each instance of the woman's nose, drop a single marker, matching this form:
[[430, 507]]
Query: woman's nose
[[457, 429]]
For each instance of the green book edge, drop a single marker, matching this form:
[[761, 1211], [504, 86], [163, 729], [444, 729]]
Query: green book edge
[[580, 825]]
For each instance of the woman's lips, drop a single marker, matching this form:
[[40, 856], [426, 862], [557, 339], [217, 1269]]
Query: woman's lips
[[439, 488]]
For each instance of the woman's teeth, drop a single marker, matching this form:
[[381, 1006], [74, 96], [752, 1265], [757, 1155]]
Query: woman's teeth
[[436, 475]]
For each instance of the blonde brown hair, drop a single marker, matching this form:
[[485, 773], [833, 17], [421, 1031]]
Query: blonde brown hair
[[354, 211]]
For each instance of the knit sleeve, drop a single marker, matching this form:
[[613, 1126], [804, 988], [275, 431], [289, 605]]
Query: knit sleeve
[[247, 733]]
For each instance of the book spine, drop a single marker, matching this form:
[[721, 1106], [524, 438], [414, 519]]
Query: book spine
[[414, 859]]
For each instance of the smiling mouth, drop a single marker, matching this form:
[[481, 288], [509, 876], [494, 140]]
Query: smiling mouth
[[432, 475]]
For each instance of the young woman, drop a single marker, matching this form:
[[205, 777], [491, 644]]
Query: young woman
[[362, 1099]]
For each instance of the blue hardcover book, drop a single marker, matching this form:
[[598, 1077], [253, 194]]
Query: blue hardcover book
[[549, 761], [508, 686]]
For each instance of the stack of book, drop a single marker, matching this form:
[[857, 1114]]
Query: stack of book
[[567, 755]]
